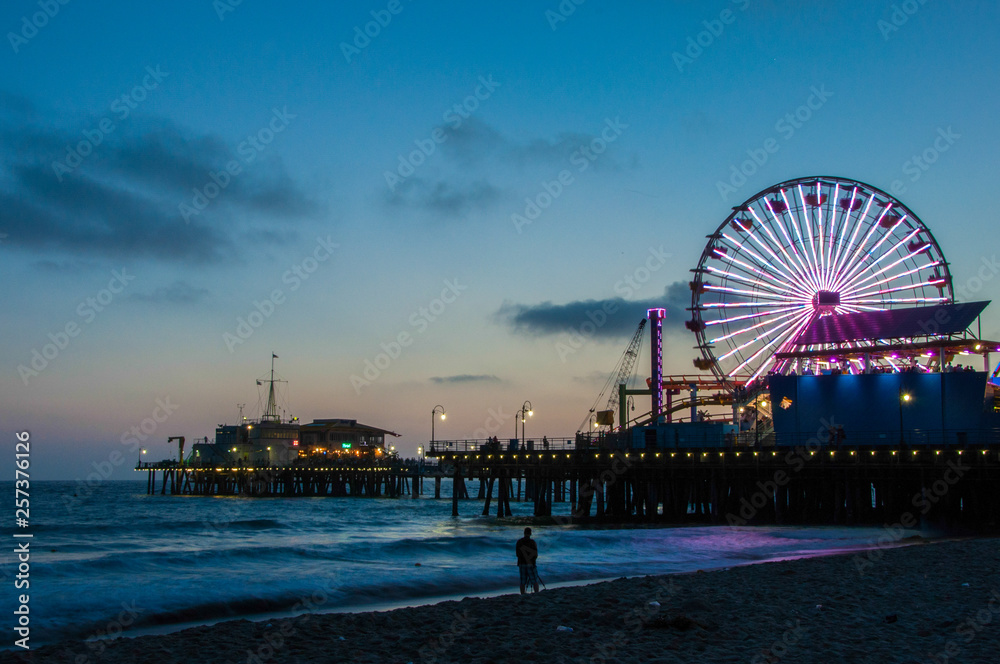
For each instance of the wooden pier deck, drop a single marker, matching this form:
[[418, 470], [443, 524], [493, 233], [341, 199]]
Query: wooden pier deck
[[805, 484], [741, 484], [358, 479]]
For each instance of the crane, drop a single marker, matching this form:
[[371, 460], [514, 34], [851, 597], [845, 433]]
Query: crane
[[621, 372], [180, 446]]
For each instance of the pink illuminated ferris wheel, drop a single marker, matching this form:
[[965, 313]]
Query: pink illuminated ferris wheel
[[801, 250]]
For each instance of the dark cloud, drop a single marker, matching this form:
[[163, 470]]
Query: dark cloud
[[69, 266], [547, 318], [465, 166], [475, 141], [466, 378], [443, 197], [124, 196], [179, 292]]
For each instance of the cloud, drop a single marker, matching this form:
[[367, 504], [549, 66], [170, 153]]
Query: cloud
[[442, 197], [461, 175], [123, 196], [466, 378], [611, 318], [179, 292]]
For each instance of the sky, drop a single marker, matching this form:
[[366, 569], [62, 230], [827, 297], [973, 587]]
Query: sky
[[415, 203]]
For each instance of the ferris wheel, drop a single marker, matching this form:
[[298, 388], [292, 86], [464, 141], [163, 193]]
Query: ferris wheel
[[800, 250]]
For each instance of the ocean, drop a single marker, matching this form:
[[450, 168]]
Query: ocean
[[118, 561]]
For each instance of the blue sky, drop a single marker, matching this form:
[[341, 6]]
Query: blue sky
[[305, 229]]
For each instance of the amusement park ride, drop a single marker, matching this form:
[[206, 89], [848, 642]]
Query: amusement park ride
[[813, 277]]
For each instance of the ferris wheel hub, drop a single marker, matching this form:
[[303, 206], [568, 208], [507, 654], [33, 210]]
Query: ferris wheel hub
[[825, 301]]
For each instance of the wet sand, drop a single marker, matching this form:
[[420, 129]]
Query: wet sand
[[937, 602]]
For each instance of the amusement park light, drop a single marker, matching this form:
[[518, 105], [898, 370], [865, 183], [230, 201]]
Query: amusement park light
[[978, 346]]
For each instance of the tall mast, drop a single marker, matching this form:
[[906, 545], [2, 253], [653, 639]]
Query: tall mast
[[271, 411]]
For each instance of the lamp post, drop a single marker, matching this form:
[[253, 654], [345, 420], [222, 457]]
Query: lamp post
[[434, 412], [903, 398], [525, 409]]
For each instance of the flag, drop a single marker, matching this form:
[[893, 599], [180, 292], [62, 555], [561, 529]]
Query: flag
[[273, 356], [258, 383]]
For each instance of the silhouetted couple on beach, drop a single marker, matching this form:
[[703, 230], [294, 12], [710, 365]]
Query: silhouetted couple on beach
[[527, 554]]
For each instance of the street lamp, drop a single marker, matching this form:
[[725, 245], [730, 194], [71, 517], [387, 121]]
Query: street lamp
[[420, 452], [525, 410], [903, 398], [434, 412]]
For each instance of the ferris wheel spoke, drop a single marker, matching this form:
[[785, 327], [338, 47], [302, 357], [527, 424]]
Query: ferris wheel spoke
[[723, 321], [908, 300], [854, 287], [770, 287], [765, 333], [870, 260], [763, 305], [809, 267], [858, 224], [764, 265], [849, 279], [744, 330], [898, 289], [815, 265], [789, 333], [852, 263], [848, 209], [766, 247], [833, 228], [799, 266], [760, 294]]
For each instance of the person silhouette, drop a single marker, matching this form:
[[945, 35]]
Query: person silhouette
[[527, 555]]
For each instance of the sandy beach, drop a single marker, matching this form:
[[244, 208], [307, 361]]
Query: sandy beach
[[935, 602]]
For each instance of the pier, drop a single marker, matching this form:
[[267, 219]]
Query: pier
[[813, 482], [351, 479]]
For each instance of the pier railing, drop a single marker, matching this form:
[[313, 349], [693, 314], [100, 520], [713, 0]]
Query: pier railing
[[581, 441], [830, 438]]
